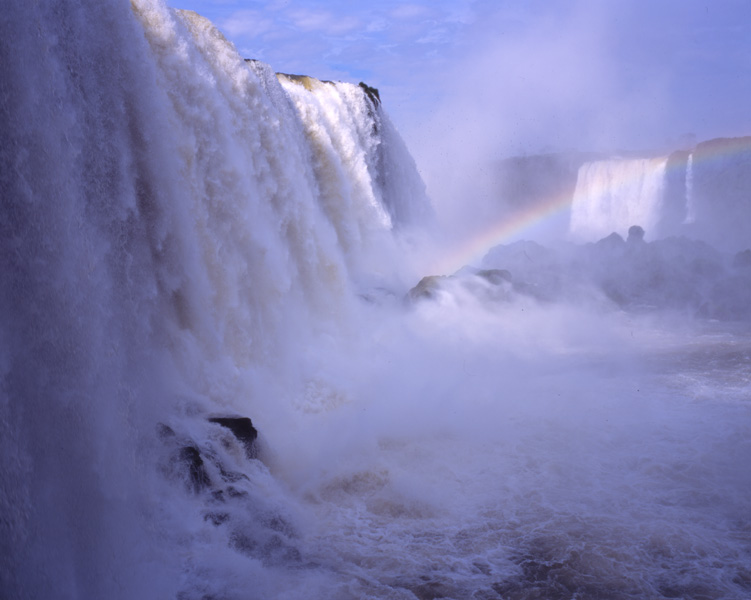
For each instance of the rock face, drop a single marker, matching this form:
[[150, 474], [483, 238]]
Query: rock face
[[721, 193], [242, 428], [371, 92]]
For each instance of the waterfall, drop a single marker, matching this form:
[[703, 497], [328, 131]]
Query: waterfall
[[612, 195], [690, 201], [368, 179], [181, 234], [189, 241]]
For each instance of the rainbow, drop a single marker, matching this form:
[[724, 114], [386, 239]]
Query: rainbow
[[501, 232], [513, 226]]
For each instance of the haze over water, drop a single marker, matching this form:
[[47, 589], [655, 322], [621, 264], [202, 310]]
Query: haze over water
[[187, 239]]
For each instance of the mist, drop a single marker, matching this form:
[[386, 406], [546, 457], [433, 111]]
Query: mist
[[243, 357], [639, 79]]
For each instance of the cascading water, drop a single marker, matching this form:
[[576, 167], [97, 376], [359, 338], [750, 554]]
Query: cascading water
[[186, 239], [690, 200], [702, 194], [613, 195], [170, 248]]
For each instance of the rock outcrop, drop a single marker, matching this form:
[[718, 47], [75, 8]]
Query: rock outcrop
[[242, 428]]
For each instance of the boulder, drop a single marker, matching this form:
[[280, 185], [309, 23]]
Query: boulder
[[427, 288], [242, 428], [635, 234], [611, 242]]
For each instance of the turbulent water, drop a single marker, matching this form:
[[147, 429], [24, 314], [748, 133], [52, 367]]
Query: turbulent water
[[185, 236]]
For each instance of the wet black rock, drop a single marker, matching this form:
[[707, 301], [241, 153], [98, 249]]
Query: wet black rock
[[198, 477], [242, 428], [371, 92]]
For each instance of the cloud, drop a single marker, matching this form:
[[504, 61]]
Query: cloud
[[528, 75], [409, 11], [251, 23], [377, 24], [324, 21], [438, 35]]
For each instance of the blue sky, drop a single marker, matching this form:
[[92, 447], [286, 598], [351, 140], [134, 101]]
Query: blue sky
[[511, 76]]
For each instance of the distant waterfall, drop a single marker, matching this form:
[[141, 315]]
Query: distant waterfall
[[690, 201], [612, 195]]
